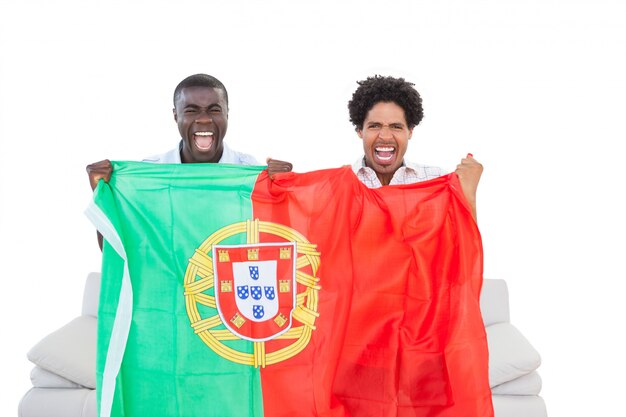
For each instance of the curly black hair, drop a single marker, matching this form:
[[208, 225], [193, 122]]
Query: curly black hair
[[386, 89], [200, 80]]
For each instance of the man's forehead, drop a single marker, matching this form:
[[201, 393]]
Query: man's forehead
[[385, 118], [201, 95]]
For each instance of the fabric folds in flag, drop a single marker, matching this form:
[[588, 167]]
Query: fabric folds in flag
[[227, 294]]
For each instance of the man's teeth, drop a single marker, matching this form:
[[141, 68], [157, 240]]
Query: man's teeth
[[385, 153], [203, 140]]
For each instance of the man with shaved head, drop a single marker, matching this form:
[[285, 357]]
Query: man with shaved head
[[201, 113]]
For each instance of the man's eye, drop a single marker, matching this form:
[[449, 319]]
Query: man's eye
[[374, 126], [397, 127], [191, 111], [216, 111]]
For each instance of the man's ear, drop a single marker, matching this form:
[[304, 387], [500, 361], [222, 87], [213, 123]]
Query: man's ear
[[410, 133], [175, 116], [359, 132]]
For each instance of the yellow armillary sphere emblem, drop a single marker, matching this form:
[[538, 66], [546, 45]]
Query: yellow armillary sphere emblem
[[225, 304]]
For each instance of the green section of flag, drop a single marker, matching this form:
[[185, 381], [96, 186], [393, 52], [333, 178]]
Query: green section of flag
[[167, 369]]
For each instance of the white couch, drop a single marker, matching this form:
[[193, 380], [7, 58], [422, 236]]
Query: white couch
[[513, 362], [64, 374]]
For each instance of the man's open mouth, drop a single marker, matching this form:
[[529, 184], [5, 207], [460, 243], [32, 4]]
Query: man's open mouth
[[203, 140], [384, 153]]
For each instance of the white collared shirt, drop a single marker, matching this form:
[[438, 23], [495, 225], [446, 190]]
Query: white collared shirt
[[229, 156], [408, 173]]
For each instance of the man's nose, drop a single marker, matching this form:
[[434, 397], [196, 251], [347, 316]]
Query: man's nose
[[204, 117], [385, 132]]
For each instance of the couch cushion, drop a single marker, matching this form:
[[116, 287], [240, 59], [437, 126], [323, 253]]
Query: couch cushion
[[510, 354], [524, 385], [519, 406], [58, 402], [70, 351], [46, 379]]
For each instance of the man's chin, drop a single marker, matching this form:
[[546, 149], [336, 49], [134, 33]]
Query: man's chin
[[200, 155], [385, 168], [203, 157]]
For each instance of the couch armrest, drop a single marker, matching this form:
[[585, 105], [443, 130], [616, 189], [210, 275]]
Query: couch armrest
[[91, 295], [494, 302]]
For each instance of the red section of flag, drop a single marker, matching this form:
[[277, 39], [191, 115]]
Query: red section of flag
[[399, 331]]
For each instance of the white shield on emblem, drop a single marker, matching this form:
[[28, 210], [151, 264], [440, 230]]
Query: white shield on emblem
[[256, 285]]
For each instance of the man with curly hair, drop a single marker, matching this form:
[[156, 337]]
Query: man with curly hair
[[384, 111]]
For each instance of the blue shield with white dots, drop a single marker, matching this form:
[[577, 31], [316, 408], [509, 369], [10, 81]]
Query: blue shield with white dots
[[254, 272], [270, 292], [243, 292], [256, 293], [258, 311]]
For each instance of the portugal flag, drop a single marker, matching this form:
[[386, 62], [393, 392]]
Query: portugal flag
[[227, 294]]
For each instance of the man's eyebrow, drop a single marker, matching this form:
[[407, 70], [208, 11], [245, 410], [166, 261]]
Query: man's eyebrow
[[210, 106]]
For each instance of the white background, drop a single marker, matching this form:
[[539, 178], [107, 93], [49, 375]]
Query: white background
[[535, 89]]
